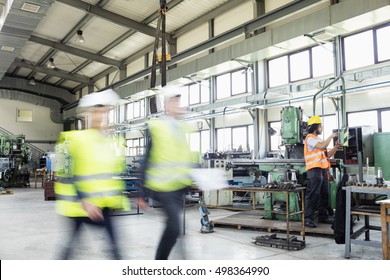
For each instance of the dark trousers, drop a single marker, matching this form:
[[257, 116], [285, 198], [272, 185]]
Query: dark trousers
[[316, 194], [172, 203], [75, 226]]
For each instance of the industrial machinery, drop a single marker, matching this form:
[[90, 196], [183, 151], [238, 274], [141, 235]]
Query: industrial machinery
[[293, 131], [14, 154]]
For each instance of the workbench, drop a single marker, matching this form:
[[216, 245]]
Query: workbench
[[350, 238], [385, 221], [287, 213]]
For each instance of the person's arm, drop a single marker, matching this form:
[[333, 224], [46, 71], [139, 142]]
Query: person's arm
[[322, 145], [334, 149]]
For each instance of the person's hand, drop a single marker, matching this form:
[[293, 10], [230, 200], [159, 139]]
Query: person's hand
[[94, 212], [141, 203], [337, 143], [335, 134]]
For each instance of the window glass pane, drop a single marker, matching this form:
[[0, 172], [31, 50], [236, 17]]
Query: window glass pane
[[300, 66], [251, 138], [195, 141], [323, 62], [205, 141], [239, 138], [329, 123], [385, 115], [130, 111], [223, 86], [383, 41], [238, 82], [137, 111], [111, 116], [184, 96], [205, 91], [142, 104], [249, 80], [369, 118], [194, 94], [359, 50], [224, 136], [278, 71], [276, 139]]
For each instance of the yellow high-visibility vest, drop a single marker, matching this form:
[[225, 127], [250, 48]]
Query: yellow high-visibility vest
[[170, 160], [93, 165], [315, 158]]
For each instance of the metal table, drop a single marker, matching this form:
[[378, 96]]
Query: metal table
[[367, 242]]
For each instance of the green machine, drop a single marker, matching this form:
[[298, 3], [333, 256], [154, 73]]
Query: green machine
[[382, 153], [291, 128], [276, 202]]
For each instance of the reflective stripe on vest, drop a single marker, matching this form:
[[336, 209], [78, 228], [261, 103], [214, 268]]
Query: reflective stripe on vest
[[315, 158]]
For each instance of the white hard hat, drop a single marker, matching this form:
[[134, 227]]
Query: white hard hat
[[168, 93], [103, 98]]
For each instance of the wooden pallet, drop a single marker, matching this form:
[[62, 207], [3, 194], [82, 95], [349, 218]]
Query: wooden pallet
[[254, 220]]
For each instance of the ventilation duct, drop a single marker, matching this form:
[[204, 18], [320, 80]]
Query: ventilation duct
[[19, 20]]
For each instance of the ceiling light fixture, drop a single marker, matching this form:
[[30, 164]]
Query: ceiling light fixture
[[32, 82], [79, 37], [50, 63]]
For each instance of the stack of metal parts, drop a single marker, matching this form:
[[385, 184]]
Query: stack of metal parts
[[273, 241]]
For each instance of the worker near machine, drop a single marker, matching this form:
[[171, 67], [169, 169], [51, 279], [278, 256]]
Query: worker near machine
[[86, 191], [317, 165], [167, 169]]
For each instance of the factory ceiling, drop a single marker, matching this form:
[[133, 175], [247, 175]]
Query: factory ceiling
[[40, 42]]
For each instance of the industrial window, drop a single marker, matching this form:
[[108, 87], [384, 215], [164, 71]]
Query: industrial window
[[195, 141], [322, 57], [300, 66], [112, 116], [369, 118], [314, 62], [184, 99], [278, 71], [274, 136], [223, 86], [385, 116], [200, 141], [205, 91], [198, 92], [383, 43], [135, 110], [194, 92], [359, 50], [135, 147], [234, 83], [239, 83], [329, 123], [235, 139]]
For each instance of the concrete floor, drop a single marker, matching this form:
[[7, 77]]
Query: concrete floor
[[30, 229]]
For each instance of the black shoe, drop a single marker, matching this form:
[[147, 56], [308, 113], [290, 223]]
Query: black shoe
[[310, 224], [325, 221]]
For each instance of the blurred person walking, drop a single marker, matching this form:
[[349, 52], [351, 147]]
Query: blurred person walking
[[167, 170], [86, 191]]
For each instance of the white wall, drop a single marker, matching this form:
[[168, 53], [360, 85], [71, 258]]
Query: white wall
[[135, 66], [41, 128]]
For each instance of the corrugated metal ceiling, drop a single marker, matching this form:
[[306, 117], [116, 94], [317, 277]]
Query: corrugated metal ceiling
[[108, 30]]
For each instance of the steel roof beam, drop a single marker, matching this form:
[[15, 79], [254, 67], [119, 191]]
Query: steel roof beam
[[75, 51], [110, 16]]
